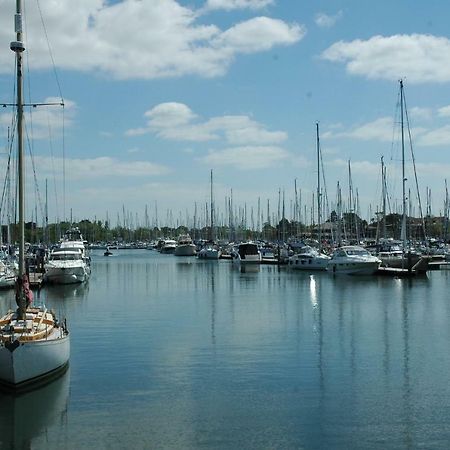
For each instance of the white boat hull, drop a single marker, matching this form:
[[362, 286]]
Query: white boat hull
[[209, 253], [300, 262], [185, 250], [66, 275], [248, 259], [7, 281], [354, 268], [33, 360]]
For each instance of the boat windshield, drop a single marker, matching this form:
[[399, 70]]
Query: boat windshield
[[357, 252], [65, 257]]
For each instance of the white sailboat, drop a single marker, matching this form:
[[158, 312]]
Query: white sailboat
[[308, 258], [33, 343], [210, 249], [403, 257]]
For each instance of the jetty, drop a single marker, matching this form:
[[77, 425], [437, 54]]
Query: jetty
[[36, 279]]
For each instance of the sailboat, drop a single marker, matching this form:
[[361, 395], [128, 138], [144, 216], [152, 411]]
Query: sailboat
[[309, 258], [401, 257], [210, 249], [33, 344]]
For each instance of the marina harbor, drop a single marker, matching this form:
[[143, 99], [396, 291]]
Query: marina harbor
[[224, 225]]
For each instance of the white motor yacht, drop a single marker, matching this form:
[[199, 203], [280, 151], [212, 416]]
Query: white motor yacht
[[246, 253], [353, 260], [308, 258], [185, 246], [66, 266]]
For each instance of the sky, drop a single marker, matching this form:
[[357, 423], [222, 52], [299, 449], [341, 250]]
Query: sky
[[157, 93]]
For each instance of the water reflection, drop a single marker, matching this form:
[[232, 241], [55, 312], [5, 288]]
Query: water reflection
[[248, 268], [57, 292], [25, 417]]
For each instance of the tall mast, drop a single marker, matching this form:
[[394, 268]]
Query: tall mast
[[403, 229], [383, 189], [318, 187], [212, 208], [17, 47]]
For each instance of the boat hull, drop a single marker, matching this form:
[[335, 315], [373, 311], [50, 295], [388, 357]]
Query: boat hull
[[7, 281], [246, 259], [209, 253], [185, 250], [299, 262], [32, 361], [66, 275], [353, 268]]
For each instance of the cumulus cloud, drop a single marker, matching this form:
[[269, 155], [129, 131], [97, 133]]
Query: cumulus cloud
[[258, 34], [246, 158], [133, 39], [176, 121], [420, 58], [327, 21], [229, 5]]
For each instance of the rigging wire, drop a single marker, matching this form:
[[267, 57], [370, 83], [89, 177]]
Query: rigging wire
[[62, 103], [414, 166]]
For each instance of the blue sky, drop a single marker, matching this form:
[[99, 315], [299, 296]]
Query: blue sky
[[159, 92]]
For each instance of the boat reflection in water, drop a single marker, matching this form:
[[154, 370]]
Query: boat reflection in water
[[26, 416], [247, 268], [61, 293]]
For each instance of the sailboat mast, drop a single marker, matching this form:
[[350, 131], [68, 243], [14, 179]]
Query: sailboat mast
[[403, 236], [212, 208], [17, 47], [318, 188], [383, 189]]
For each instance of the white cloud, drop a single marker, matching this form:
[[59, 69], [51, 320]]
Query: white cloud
[[380, 129], [364, 168], [139, 39], [437, 137], [444, 111], [101, 167], [258, 34], [229, 5], [418, 113], [326, 21], [246, 158], [420, 58], [176, 121], [46, 121]]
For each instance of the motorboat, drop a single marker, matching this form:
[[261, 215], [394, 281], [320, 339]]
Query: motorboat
[[246, 253], [209, 251], [7, 275], [308, 258], [168, 246], [353, 260], [66, 266], [185, 246]]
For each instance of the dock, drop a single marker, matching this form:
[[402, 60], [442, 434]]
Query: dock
[[399, 272], [36, 279]]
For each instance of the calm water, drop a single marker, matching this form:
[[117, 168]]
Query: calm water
[[179, 353]]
